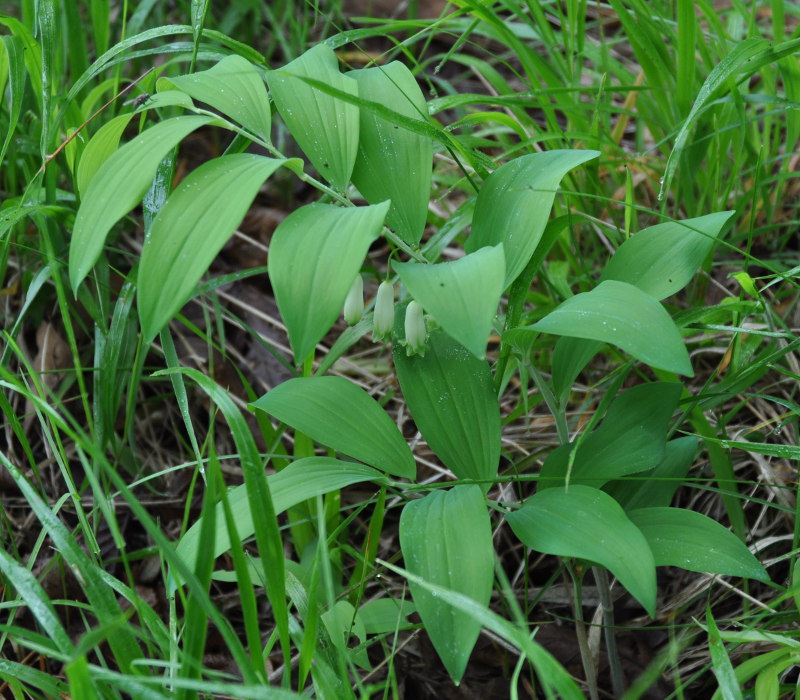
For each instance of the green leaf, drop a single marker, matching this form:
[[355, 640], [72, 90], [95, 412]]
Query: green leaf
[[36, 600], [118, 185], [451, 397], [514, 203], [693, 541], [461, 295], [570, 356], [446, 539], [324, 127], [721, 662], [234, 87], [586, 523], [621, 314], [551, 674], [301, 480], [386, 615], [315, 254], [656, 487], [15, 51], [631, 439], [747, 57], [385, 148], [662, 259], [191, 228], [364, 431], [99, 148]]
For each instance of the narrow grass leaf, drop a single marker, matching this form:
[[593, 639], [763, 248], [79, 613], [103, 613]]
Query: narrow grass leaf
[[586, 523], [621, 314], [446, 539], [310, 289], [81, 684], [118, 186], [99, 149], [461, 295], [693, 541], [15, 52], [450, 394], [324, 127], [51, 686], [745, 59], [662, 259], [36, 600], [721, 662], [552, 675], [631, 439], [259, 498], [394, 163], [234, 87], [32, 54], [514, 203], [190, 229], [301, 480], [99, 596], [313, 406]]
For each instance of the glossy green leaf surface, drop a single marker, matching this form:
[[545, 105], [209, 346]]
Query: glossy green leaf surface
[[461, 295], [621, 314], [118, 186], [451, 397], [311, 288], [662, 259], [325, 128], [190, 229], [301, 480], [363, 430], [631, 439], [586, 523], [446, 539], [656, 487], [693, 541], [514, 203], [99, 148], [394, 163], [234, 87]]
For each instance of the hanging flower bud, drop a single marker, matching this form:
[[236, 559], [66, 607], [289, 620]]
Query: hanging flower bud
[[354, 304], [416, 334], [383, 320]]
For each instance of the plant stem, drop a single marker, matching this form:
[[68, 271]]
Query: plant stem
[[580, 632], [601, 578]]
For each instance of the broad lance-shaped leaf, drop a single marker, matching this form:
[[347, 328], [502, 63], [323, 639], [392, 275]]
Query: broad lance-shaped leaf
[[631, 438], [586, 523], [514, 203], [662, 259], [315, 254], [338, 414], [446, 539], [234, 87], [693, 541], [451, 397], [324, 127], [656, 487], [191, 228], [99, 148], [461, 295], [394, 163], [301, 480], [118, 186], [623, 315]]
